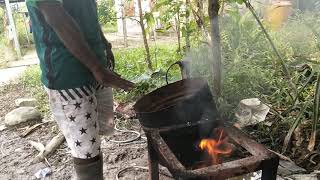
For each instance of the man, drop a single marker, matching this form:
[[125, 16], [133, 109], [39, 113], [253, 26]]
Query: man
[[71, 49]]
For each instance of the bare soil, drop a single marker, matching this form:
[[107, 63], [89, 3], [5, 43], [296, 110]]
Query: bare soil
[[17, 154]]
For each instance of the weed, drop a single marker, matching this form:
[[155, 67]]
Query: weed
[[31, 81]]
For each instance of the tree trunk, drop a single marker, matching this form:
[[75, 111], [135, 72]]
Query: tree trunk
[[145, 41], [200, 11], [124, 25], [178, 31], [199, 16], [187, 26], [213, 9]]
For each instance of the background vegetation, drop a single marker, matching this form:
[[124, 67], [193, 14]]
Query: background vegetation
[[250, 67]]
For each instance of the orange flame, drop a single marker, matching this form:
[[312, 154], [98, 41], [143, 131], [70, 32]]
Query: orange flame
[[215, 148]]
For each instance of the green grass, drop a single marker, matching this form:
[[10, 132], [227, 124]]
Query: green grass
[[31, 81], [110, 28], [131, 64]]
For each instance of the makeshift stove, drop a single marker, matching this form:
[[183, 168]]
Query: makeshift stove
[[179, 119], [261, 159]]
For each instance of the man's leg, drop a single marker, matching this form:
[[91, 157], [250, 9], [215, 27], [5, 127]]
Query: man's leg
[[75, 111], [104, 97]]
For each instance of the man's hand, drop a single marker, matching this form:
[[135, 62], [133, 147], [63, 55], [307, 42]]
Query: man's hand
[[108, 78]]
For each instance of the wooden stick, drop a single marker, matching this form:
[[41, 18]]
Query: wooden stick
[[281, 156], [50, 148]]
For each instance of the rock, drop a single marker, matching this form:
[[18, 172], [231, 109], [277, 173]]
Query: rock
[[20, 115], [287, 168], [26, 102], [251, 111], [304, 177]]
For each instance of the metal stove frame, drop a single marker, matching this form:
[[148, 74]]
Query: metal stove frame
[[261, 158]]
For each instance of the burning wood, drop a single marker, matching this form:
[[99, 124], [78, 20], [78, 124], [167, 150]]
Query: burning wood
[[216, 148]]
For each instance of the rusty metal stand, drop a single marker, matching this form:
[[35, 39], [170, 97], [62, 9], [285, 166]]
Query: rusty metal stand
[[153, 160], [261, 159], [269, 169]]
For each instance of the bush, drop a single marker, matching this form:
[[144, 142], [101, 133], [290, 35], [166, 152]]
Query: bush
[[106, 11]]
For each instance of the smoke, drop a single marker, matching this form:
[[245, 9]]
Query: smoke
[[200, 61], [249, 68]]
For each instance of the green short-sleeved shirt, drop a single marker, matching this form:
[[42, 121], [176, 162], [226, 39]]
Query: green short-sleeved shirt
[[60, 69]]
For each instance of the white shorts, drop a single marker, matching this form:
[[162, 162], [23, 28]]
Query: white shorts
[[82, 115]]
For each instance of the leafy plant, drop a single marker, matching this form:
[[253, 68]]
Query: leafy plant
[[106, 12]]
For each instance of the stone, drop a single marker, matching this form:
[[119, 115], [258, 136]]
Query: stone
[[26, 102], [287, 168], [251, 111], [304, 177], [20, 115]]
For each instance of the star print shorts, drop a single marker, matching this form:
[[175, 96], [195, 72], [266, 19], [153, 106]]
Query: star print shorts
[[82, 114]]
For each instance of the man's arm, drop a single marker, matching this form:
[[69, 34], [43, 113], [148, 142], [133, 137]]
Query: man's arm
[[70, 34], [108, 47]]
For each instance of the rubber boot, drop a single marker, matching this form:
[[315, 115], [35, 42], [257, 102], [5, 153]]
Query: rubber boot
[[89, 169]]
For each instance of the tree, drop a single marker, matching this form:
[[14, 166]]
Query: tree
[[213, 9], [144, 35], [187, 24]]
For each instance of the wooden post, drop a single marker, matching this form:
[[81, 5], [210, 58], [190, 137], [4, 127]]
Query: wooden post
[[213, 9], [13, 29]]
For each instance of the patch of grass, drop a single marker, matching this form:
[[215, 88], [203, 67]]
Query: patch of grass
[[131, 64], [110, 28], [31, 81]]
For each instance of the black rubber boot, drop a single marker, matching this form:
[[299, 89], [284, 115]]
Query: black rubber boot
[[89, 169]]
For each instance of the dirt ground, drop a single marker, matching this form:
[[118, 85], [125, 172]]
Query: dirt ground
[[17, 154]]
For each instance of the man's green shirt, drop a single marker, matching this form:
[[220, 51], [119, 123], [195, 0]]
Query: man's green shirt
[[60, 69]]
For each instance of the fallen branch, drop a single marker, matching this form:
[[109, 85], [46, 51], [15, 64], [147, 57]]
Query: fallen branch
[[50, 148], [283, 157], [31, 129], [38, 146]]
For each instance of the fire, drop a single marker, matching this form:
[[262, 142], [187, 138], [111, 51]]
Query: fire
[[216, 148]]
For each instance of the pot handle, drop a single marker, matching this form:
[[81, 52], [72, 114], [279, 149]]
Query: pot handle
[[184, 68]]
